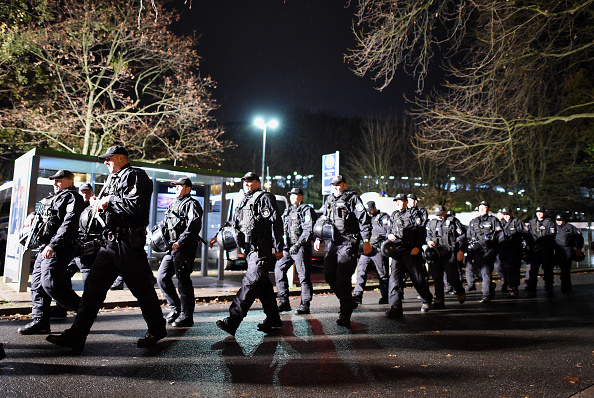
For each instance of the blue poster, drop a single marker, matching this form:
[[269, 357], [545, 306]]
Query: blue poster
[[329, 171]]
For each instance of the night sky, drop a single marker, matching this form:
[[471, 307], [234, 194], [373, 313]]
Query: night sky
[[271, 56]]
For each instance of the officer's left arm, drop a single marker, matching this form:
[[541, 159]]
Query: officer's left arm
[[461, 241], [364, 222], [193, 212], [270, 213], [306, 226], [577, 237], [69, 208], [498, 235]]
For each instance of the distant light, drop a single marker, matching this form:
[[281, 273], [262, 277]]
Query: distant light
[[260, 123], [452, 178], [510, 193]]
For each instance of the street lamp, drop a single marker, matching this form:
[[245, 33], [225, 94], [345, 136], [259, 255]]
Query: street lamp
[[259, 122]]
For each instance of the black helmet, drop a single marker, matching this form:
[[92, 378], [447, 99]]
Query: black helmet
[[324, 229], [577, 255], [390, 249], [430, 254], [158, 239], [229, 238]]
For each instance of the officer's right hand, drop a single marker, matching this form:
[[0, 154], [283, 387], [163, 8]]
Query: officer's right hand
[[460, 255], [317, 244], [212, 242], [392, 237], [414, 251], [278, 255], [431, 243]]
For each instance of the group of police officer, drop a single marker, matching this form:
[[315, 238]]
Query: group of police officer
[[111, 235]]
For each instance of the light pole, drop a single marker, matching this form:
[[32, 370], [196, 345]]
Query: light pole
[[259, 122]]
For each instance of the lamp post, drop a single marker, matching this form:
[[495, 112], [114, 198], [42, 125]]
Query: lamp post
[[259, 122]]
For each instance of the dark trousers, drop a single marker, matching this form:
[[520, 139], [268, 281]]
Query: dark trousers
[[340, 262], [406, 264], [181, 263], [472, 271], [563, 255], [377, 259], [500, 269], [302, 260], [547, 261], [511, 261], [255, 285], [484, 262], [119, 257], [445, 268], [48, 281]]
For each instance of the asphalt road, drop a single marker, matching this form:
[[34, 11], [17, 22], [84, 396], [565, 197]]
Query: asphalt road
[[524, 348]]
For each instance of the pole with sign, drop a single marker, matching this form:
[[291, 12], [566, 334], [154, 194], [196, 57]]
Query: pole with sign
[[329, 171]]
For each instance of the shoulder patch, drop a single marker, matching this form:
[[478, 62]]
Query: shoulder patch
[[359, 207], [307, 217], [266, 212], [70, 207]]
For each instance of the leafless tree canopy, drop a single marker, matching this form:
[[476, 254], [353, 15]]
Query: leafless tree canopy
[[516, 70], [112, 81]]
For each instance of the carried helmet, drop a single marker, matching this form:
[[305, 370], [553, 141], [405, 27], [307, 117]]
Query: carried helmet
[[324, 228], [577, 255], [390, 249], [230, 238], [430, 254], [158, 239]]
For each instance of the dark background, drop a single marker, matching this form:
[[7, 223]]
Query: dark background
[[272, 56]]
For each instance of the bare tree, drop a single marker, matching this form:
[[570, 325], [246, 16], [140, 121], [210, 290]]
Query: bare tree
[[115, 82], [507, 67]]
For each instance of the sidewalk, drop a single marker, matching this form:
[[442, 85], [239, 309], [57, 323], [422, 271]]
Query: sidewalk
[[206, 289]]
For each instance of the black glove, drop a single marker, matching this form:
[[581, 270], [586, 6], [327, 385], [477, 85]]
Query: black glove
[[294, 249]]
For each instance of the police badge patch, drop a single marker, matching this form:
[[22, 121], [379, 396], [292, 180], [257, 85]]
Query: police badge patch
[[266, 212], [359, 207]]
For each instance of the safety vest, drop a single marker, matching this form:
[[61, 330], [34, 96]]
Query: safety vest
[[340, 214], [293, 222], [246, 217]]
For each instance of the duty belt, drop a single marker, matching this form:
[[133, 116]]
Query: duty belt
[[119, 233]]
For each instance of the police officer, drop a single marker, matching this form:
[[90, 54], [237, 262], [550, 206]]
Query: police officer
[[484, 235], [541, 243], [381, 226], [55, 226], [567, 239], [183, 221], [406, 258], [445, 234], [259, 221], [498, 266], [297, 228], [123, 206], [510, 251], [344, 209], [471, 271], [84, 259]]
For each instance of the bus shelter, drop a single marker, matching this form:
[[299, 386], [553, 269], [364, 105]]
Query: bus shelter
[[31, 184]]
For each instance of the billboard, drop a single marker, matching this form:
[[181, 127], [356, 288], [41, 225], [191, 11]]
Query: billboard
[[329, 171]]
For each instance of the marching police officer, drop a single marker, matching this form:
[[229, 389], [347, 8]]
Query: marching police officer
[[541, 242], [55, 228], [510, 251], [484, 234], [258, 220], [297, 227], [471, 270], [123, 207], [183, 221], [406, 258], [381, 225], [567, 239], [350, 223], [446, 235]]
